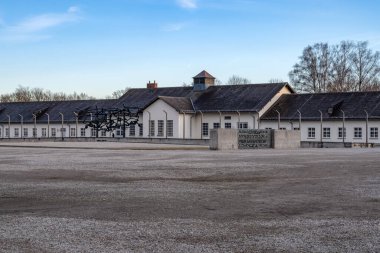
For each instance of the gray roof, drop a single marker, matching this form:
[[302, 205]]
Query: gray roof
[[330, 104], [53, 108]]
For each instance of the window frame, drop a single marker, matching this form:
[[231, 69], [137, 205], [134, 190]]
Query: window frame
[[205, 129], [311, 132]]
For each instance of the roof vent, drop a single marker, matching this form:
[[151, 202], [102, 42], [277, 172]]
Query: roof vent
[[334, 108], [203, 80]]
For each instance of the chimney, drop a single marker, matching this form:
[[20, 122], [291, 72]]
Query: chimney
[[151, 86]]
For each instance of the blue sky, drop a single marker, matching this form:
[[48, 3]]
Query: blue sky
[[97, 47]]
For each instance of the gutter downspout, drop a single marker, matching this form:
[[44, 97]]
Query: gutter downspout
[[48, 132], [201, 124], [258, 120], [321, 127], [35, 125], [253, 121], [184, 126], [220, 119], [22, 125], [366, 128], [166, 124], [299, 119], [191, 124], [343, 129], [76, 124], [238, 126], [62, 125], [9, 126], [279, 119], [148, 123]]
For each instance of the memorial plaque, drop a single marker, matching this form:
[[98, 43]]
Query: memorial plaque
[[254, 139]]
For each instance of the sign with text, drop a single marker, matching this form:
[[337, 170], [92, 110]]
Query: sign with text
[[254, 138]]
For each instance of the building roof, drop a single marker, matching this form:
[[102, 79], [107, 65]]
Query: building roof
[[181, 104], [204, 74], [353, 104], [53, 108], [244, 97]]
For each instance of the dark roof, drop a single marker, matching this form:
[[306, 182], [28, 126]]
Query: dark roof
[[204, 74], [53, 108], [245, 97], [143, 97], [181, 104], [330, 104]]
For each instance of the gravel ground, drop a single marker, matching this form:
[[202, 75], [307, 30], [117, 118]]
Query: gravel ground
[[108, 197]]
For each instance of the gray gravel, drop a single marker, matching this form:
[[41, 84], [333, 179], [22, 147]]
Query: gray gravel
[[114, 199]]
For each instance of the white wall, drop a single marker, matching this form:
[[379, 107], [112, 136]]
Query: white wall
[[333, 125]]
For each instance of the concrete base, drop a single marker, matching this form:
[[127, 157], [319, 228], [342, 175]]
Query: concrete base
[[283, 139], [223, 139]]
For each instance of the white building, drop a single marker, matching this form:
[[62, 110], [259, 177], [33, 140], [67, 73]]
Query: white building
[[190, 113]]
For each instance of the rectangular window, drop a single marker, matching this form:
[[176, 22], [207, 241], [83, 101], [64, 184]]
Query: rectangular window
[[83, 132], [34, 132], [296, 128], [132, 130], [151, 128], [311, 132], [26, 132], [16, 132], [63, 132], [103, 133], [268, 128], [374, 132], [227, 117], [160, 128], [53, 132], [357, 132], [282, 128], [243, 125], [227, 125], [326, 132], [205, 129], [169, 128], [7, 132], [216, 125], [93, 132], [72, 132], [141, 130], [340, 132], [43, 132]]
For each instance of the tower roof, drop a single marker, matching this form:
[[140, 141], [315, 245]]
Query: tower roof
[[204, 74]]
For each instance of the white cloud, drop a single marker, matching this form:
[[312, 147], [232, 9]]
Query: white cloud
[[31, 29], [188, 4], [175, 27]]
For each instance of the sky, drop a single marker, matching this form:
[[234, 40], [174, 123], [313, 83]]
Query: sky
[[99, 46]]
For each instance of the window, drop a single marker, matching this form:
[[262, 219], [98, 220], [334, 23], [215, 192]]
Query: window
[[357, 132], [93, 132], [151, 128], [103, 133], [205, 129], [160, 128], [374, 132], [296, 128], [7, 132], [227, 117], [227, 125], [83, 132], [340, 132], [169, 128], [268, 128], [326, 132], [26, 132], [311, 132], [243, 125], [53, 132], [141, 130], [16, 132], [72, 132], [216, 125], [63, 132], [132, 130], [282, 128], [43, 132]]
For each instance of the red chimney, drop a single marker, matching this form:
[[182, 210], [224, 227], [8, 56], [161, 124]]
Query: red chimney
[[151, 86]]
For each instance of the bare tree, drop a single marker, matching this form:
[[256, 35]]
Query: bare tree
[[341, 71], [235, 79], [275, 80], [365, 67]]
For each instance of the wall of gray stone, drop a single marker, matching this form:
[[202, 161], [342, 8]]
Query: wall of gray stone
[[223, 139], [283, 139]]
